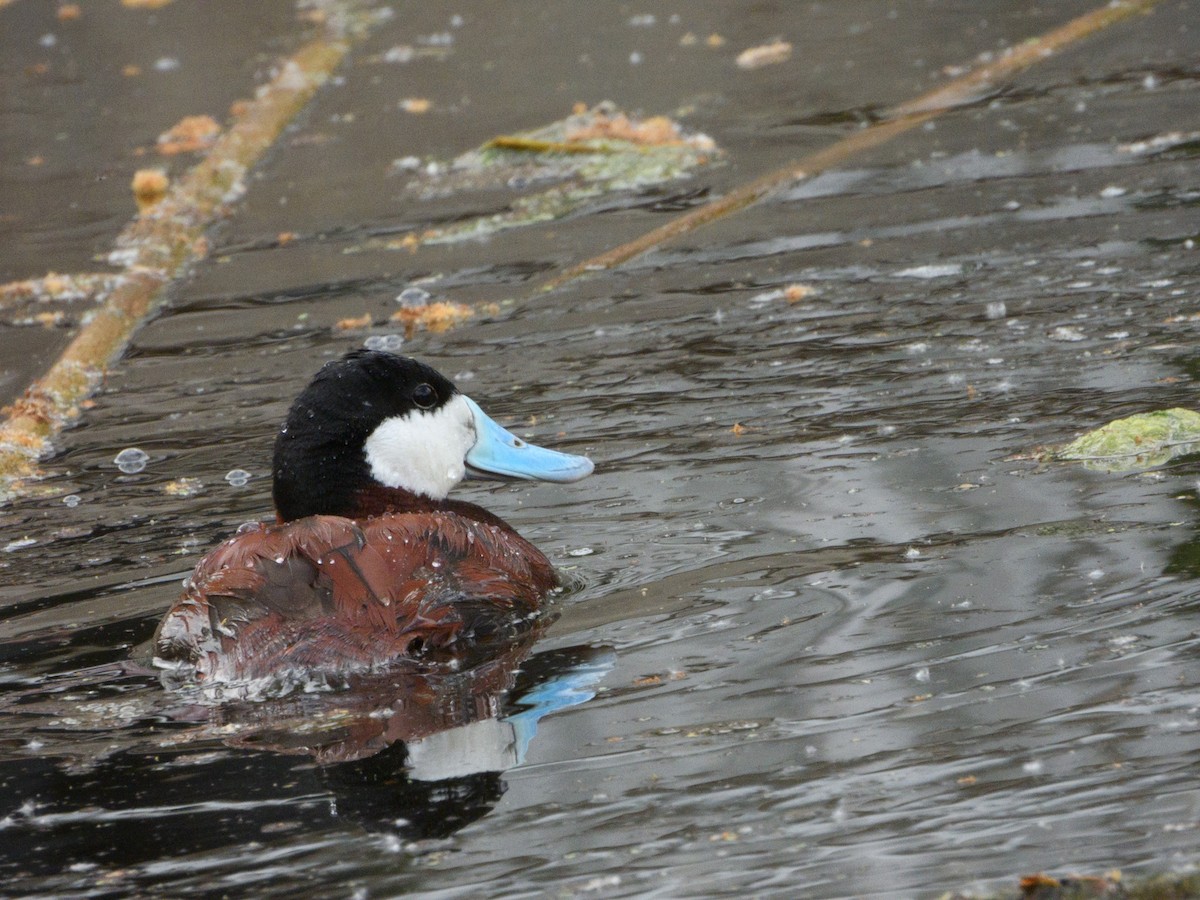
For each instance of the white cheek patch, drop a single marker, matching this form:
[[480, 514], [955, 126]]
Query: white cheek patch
[[423, 451]]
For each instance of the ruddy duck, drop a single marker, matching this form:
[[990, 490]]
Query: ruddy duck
[[368, 561]]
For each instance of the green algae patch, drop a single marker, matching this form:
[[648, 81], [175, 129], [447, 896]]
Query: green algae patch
[[559, 170], [1137, 442]]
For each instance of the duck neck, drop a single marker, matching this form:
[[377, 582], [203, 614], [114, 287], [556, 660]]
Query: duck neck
[[378, 500]]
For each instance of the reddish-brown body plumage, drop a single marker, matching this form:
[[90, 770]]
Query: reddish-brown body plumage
[[325, 590]]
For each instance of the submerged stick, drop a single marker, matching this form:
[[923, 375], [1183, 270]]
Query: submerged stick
[[905, 117], [158, 247]]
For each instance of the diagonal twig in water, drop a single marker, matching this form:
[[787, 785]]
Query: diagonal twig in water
[[905, 117]]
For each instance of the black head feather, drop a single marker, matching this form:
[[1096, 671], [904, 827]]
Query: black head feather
[[320, 465]]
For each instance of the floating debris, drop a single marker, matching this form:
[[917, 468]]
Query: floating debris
[[188, 135], [354, 324], [765, 55], [931, 271], [131, 460], [183, 487], [149, 187], [1067, 334], [416, 105], [436, 317], [586, 156], [1137, 442]]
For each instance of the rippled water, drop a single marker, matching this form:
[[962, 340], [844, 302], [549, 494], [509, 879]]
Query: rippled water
[[836, 634]]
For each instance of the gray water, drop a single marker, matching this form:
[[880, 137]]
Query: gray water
[[837, 634]]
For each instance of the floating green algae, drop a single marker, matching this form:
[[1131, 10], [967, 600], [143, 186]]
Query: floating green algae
[[555, 171], [1137, 442]]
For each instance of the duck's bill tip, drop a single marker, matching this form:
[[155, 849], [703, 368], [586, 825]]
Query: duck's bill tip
[[499, 452]]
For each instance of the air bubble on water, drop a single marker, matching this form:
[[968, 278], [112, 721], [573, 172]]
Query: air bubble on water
[[1095, 574], [1033, 767], [1113, 190], [71, 500], [413, 296], [997, 309], [457, 21], [581, 551], [48, 40], [166, 64], [237, 477], [390, 343], [131, 460], [642, 20], [922, 675], [19, 544], [887, 430], [1150, 82], [247, 527], [635, 58], [912, 553], [464, 375]]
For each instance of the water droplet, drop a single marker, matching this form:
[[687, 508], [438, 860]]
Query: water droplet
[[131, 460], [237, 477], [72, 500], [390, 343], [413, 296]]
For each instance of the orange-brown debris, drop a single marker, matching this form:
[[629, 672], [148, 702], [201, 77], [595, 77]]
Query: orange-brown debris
[[350, 324], [657, 131], [149, 187], [435, 317], [189, 134]]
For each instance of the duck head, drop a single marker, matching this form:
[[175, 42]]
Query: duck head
[[374, 421]]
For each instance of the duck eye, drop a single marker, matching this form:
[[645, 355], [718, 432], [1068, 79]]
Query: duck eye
[[424, 396]]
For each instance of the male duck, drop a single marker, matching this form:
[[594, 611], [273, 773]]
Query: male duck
[[369, 561]]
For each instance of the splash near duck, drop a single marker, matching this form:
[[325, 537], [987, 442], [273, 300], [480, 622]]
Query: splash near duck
[[369, 560]]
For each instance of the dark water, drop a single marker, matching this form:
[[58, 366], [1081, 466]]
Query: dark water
[[849, 648]]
